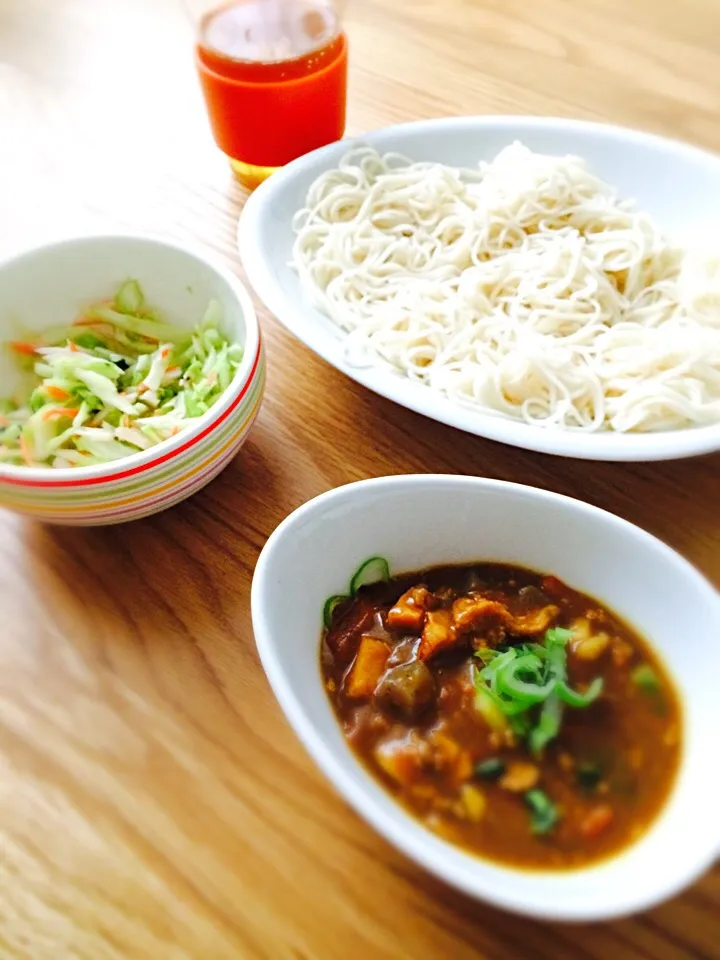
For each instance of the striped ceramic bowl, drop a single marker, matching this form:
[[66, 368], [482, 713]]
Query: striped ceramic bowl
[[47, 287]]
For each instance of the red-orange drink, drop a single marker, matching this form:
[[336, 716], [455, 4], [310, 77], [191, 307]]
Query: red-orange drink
[[274, 76]]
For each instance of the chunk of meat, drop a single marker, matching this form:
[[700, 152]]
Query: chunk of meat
[[473, 613], [367, 668], [556, 589], [438, 634], [409, 611], [536, 622], [441, 597], [520, 777], [530, 598], [344, 636], [407, 689]]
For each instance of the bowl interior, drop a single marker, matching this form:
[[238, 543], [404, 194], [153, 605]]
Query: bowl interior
[[640, 165], [421, 521], [47, 287]]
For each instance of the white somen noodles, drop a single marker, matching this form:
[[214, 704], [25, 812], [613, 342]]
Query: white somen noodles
[[523, 288]]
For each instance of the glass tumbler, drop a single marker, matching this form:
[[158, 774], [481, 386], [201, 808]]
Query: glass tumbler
[[274, 78]]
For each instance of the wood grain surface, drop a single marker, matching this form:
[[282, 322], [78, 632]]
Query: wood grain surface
[[154, 804]]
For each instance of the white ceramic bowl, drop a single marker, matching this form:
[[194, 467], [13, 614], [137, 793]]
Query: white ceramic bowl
[[640, 165], [47, 287], [418, 521]]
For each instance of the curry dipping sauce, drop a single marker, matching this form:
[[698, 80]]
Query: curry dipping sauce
[[510, 714]]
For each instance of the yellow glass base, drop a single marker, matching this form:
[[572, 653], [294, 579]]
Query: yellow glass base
[[249, 174]]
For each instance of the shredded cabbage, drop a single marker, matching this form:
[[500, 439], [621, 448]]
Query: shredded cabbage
[[119, 380]]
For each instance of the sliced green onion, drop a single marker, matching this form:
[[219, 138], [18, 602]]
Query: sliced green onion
[[548, 726], [371, 571], [521, 725], [510, 683], [558, 636], [539, 649], [490, 671], [544, 814], [579, 700], [556, 663], [331, 605], [129, 298], [486, 654], [645, 678], [503, 705], [490, 769]]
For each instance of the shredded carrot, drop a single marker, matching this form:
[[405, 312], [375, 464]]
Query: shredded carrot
[[52, 413], [27, 349], [212, 377], [99, 327], [57, 393], [72, 346], [4, 422], [173, 370], [25, 451], [175, 430], [165, 352]]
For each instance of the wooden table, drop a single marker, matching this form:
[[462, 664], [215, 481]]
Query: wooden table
[[154, 804]]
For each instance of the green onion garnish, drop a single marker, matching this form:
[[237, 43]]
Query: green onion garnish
[[580, 700], [645, 678], [526, 688], [548, 726], [532, 690], [371, 571], [331, 605], [490, 769], [544, 814]]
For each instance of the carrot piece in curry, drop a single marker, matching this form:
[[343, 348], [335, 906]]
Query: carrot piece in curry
[[367, 668], [409, 611]]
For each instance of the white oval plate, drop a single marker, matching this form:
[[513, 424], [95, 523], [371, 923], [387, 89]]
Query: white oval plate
[[677, 183]]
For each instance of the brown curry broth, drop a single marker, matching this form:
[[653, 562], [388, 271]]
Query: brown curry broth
[[635, 737]]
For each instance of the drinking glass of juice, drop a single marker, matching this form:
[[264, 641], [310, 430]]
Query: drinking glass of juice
[[274, 77]]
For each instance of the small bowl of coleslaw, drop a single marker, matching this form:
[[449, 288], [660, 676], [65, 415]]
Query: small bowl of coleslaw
[[131, 370]]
